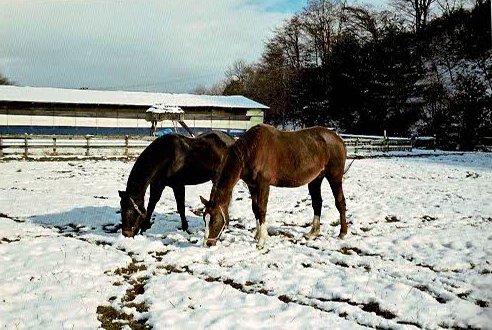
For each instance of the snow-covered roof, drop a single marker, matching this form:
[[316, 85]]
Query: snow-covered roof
[[76, 96], [161, 108]]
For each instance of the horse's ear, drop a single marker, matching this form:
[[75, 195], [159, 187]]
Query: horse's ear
[[122, 193], [204, 201]]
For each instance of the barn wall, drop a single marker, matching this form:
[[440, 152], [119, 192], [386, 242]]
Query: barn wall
[[15, 118]]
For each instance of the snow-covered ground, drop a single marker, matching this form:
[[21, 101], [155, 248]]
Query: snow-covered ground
[[418, 253]]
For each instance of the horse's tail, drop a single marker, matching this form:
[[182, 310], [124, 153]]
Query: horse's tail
[[348, 167]]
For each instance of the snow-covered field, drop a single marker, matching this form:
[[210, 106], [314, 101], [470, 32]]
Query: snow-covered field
[[418, 253]]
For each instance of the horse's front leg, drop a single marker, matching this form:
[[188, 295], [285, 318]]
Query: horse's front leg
[[179, 195], [316, 201], [156, 189], [263, 191]]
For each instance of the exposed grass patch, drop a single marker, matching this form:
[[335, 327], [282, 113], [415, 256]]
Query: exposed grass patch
[[171, 269], [373, 307], [483, 303], [111, 228], [141, 307], [425, 288], [8, 240], [134, 291], [237, 286], [341, 263], [391, 218], [472, 175], [111, 319], [285, 299], [281, 233], [3, 215], [428, 218], [131, 269], [159, 254]]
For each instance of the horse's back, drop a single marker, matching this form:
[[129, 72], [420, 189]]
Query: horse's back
[[313, 137], [217, 137], [294, 158]]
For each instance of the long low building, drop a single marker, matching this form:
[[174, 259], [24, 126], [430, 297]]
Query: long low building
[[36, 110]]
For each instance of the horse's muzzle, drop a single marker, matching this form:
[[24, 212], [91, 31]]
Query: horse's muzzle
[[128, 233], [211, 242]]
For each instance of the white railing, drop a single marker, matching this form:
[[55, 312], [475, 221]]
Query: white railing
[[56, 145]]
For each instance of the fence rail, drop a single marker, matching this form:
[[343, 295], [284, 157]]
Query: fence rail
[[11, 145], [378, 144], [54, 145]]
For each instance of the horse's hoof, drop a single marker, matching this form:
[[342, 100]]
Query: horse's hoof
[[260, 247], [342, 235], [311, 235]]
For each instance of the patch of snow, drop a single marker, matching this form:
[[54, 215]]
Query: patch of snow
[[417, 255]]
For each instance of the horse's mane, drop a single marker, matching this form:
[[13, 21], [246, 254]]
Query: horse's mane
[[230, 171]]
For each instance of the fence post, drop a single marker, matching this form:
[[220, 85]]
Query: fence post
[[356, 144], [434, 142], [1, 147], [126, 145], [25, 146], [54, 145], [87, 153]]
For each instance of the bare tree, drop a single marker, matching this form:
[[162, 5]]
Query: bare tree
[[239, 71], [289, 38], [361, 21], [215, 89], [321, 21], [449, 6], [416, 11]]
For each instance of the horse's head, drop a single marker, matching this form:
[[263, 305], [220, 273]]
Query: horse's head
[[215, 222], [132, 216]]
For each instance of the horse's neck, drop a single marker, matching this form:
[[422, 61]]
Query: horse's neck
[[140, 178], [229, 175]]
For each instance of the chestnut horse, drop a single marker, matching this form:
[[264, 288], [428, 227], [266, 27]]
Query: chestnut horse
[[264, 157], [171, 160]]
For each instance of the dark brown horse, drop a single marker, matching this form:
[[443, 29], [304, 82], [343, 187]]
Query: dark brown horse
[[264, 157], [171, 160]]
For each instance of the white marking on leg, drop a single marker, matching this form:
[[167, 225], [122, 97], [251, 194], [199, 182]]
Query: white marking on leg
[[207, 230], [263, 236], [257, 234], [316, 223], [314, 229]]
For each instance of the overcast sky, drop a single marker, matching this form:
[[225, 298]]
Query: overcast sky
[[145, 45]]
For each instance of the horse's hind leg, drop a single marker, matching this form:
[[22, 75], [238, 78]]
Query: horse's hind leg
[[335, 177], [263, 192], [256, 211], [179, 195], [315, 192], [156, 188]]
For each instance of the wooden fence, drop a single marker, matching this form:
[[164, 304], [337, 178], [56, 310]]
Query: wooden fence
[[55, 145], [376, 143]]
